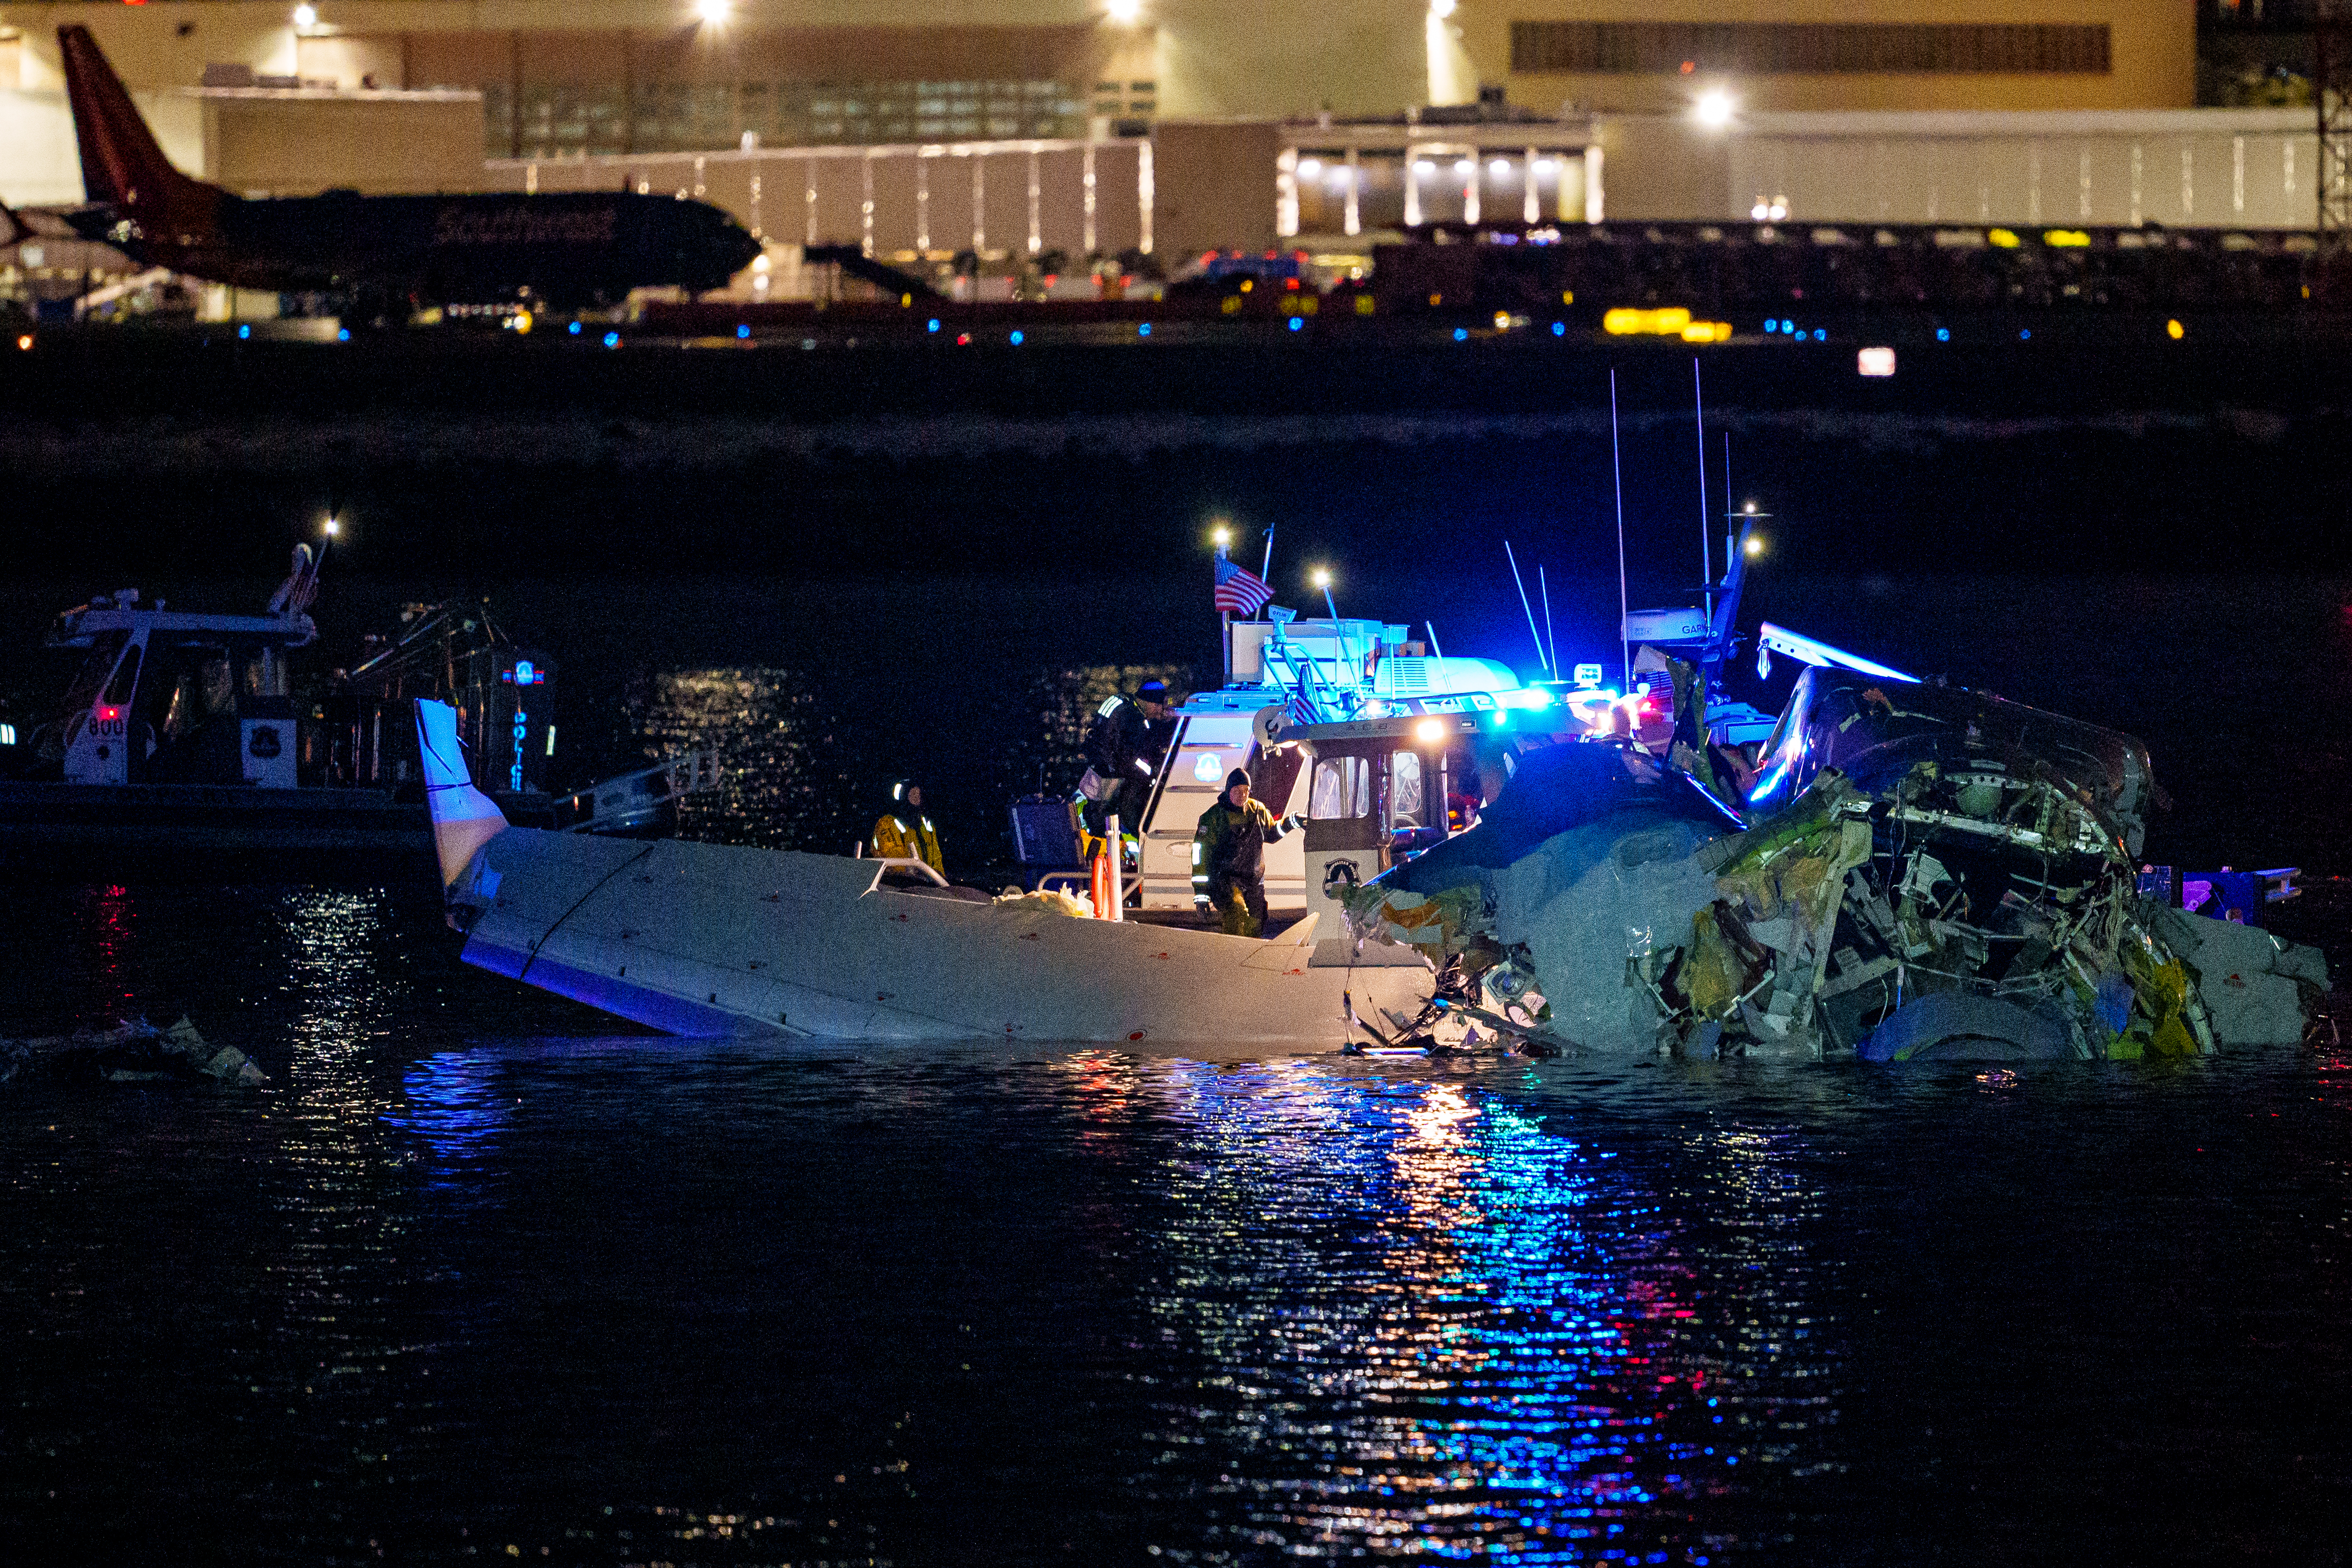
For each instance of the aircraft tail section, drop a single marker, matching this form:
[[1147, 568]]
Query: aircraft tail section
[[464, 819], [121, 163]]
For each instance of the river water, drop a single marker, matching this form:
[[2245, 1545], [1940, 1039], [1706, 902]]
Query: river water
[[475, 1278]]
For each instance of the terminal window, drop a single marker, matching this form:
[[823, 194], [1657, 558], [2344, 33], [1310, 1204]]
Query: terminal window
[[1808, 48], [573, 120]]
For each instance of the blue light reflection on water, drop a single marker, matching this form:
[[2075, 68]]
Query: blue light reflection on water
[[1440, 1326]]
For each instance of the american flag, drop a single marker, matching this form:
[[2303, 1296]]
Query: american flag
[[1240, 591], [1302, 706]]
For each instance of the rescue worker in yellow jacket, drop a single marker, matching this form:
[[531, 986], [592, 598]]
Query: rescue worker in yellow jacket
[[903, 832], [1229, 857]]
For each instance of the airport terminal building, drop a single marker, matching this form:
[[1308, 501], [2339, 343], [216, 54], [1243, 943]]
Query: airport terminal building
[[1103, 126]]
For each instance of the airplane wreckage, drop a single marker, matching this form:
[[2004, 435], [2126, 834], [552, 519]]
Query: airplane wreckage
[[1919, 872]]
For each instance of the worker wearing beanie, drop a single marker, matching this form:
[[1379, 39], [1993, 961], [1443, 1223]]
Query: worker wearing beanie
[[1229, 857]]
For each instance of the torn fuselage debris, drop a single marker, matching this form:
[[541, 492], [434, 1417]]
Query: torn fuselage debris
[[1927, 873]]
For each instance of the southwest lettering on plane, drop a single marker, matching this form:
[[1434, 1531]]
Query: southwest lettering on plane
[[456, 225]]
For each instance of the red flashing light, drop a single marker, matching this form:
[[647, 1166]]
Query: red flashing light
[[116, 712], [963, 340], [1291, 284]]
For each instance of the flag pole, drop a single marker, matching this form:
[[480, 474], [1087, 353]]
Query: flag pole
[[1225, 624]]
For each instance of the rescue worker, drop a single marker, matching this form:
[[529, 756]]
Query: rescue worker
[[903, 832], [1229, 857], [1125, 746]]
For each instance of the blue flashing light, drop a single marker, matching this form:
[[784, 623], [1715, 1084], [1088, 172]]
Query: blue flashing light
[[1016, 335], [1461, 334], [575, 328], [342, 334], [742, 331], [245, 331], [1143, 330], [1821, 334], [1943, 334], [1296, 322], [1559, 328], [932, 325], [611, 339]]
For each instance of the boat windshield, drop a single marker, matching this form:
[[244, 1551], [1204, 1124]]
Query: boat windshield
[[100, 664]]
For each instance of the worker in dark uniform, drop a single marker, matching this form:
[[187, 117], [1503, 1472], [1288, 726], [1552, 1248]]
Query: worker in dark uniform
[[903, 832], [1125, 746], [1229, 857]]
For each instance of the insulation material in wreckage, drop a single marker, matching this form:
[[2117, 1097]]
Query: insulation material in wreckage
[[1991, 922], [1439, 923]]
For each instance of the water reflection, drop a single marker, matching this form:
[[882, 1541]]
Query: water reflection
[[1427, 1322]]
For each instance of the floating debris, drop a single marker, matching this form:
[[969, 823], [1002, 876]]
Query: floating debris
[[128, 1052], [1926, 873]]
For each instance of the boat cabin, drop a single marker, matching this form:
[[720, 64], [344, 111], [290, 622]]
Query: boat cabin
[[168, 697], [1379, 746]]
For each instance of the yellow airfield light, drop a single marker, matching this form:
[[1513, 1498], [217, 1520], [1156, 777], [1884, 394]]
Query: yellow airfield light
[[1707, 332], [2005, 239], [2065, 239], [2175, 330], [1626, 322]]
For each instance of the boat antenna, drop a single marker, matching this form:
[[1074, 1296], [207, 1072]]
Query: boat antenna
[[1726, 503], [1433, 648], [1266, 567], [1617, 473], [1551, 657], [1516, 577], [1705, 523]]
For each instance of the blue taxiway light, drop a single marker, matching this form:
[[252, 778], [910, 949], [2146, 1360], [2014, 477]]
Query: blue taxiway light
[[742, 331], [342, 334], [1461, 333], [1772, 324], [1296, 322], [575, 328], [1559, 328], [2024, 333], [1943, 334], [245, 331], [1821, 334], [611, 339], [1143, 330], [932, 326], [1016, 335]]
